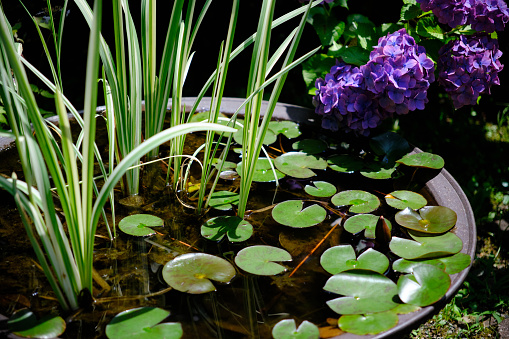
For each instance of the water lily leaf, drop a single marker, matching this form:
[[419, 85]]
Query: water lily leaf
[[425, 286], [341, 258], [299, 165], [426, 246], [290, 213], [289, 129], [407, 266], [345, 163], [404, 199], [143, 323], [139, 224], [270, 137], [310, 146], [451, 264], [430, 219], [24, 323], [367, 222], [235, 228], [286, 329], [373, 323], [321, 189], [224, 200], [262, 171], [226, 165], [361, 201], [423, 159], [391, 145], [377, 171], [260, 259], [405, 309], [363, 292], [192, 272]]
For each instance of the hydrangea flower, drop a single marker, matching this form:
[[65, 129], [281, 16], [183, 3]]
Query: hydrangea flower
[[468, 67]]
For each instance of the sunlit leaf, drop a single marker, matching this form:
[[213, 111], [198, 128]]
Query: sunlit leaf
[[290, 213], [286, 329], [360, 201], [139, 224], [404, 199], [423, 159], [224, 200], [367, 222], [289, 129], [260, 259], [430, 219], [299, 165], [426, 285], [270, 137], [341, 258], [321, 189], [263, 171], [24, 323], [451, 264], [372, 323], [233, 227], [426, 246]]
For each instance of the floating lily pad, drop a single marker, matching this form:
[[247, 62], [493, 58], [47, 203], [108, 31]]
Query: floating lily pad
[[451, 264], [260, 259], [377, 171], [373, 323], [224, 200], [192, 272], [392, 145], [360, 201], [365, 292], [286, 329], [139, 224], [224, 165], [426, 246], [430, 219], [299, 165], [270, 137], [289, 129], [321, 189], [345, 163], [24, 323], [310, 146], [234, 228], [367, 222], [143, 323], [456, 263], [290, 213], [404, 199], [341, 258], [262, 171], [426, 285], [423, 159]]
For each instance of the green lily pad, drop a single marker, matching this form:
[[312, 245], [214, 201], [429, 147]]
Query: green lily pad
[[143, 323], [24, 323], [341, 258], [321, 189], [404, 199], [366, 223], [224, 200], [270, 137], [377, 171], [360, 201], [430, 219], [299, 165], [426, 285], [405, 309], [363, 292], [262, 171], [426, 246], [451, 264], [391, 145], [286, 329], [407, 266], [224, 165], [423, 159], [235, 228], [289, 129], [139, 224], [260, 259], [290, 213], [192, 272], [310, 146], [372, 323], [345, 163]]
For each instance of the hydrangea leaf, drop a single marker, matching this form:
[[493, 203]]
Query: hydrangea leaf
[[341, 258], [426, 246], [309, 146], [364, 292], [321, 189], [139, 224], [423, 159], [270, 137], [290, 213], [316, 66], [345, 163], [262, 171], [404, 199], [192, 272], [410, 11], [260, 259], [360, 201], [224, 200], [289, 129], [143, 323], [24, 323], [425, 286], [299, 165], [233, 227], [430, 219], [429, 27], [372, 323], [367, 222], [286, 329]]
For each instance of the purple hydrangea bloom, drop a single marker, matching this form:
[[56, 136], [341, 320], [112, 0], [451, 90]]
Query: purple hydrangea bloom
[[468, 67]]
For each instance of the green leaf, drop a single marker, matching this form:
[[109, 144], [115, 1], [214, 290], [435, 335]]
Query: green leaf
[[224, 200], [426, 246], [428, 27], [451, 264], [410, 11], [289, 129], [299, 165], [260, 259], [354, 55], [345, 163], [143, 323], [430, 219], [321, 189], [425, 286], [377, 170], [309, 146], [24, 323], [316, 67], [290, 213], [262, 171], [192, 272], [367, 222], [270, 137], [407, 266], [328, 27], [341, 258], [373, 323], [139, 224], [391, 145], [286, 329], [360, 201], [234, 227], [423, 159], [405, 199]]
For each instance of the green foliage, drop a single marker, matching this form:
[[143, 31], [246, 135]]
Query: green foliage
[[140, 224], [286, 329], [261, 259], [24, 323], [291, 213]]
